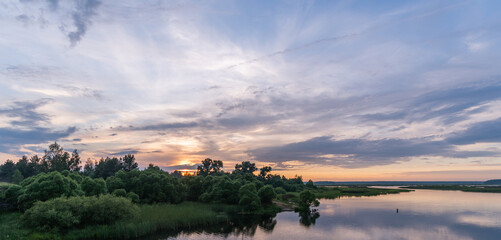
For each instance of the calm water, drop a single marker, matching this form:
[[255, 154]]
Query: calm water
[[423, 214]]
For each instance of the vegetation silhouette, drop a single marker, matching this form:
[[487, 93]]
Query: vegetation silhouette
[[53, 197]]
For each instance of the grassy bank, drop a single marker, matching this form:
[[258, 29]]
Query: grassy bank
[[290, 199], [157, 218], [5, 184], [10, 227], [152, 219], [486, 189], [337, 192]]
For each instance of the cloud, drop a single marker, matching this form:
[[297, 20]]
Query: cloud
[[297, 48], [25, 114], [159, 127], [82, 16], [177, 167], [481, 132], [125, 152], [11, 139], [81, 12], [450, 105], [356, 153]]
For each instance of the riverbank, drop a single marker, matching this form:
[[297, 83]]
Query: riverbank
[[288, 201], [486, 189], [152, 219]]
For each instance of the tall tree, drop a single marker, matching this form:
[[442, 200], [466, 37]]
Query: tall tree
[[22, 166], [35, 165], [245, 167], [210, 167], [129, 162], [57, 158], [264, 171], [74, 163], [7, 170], [107, 167], [89, 168]]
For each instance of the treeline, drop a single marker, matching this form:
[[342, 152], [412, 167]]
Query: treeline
[[56, 159], [55, 178]]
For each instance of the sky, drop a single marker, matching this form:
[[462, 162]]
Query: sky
[[329, 90]]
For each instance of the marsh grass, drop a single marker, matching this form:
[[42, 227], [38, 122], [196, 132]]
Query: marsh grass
[[337, 192], [10, 227], [5, 184], [487, 189], [157, 218]]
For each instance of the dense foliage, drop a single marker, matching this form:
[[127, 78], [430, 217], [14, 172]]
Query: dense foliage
[[307, 199], [46, 186], [65, 213], [56, 194]]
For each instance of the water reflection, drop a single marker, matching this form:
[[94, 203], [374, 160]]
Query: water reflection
[[423, 214], [308, 218]]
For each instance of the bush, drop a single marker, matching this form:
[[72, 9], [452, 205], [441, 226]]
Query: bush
[[65, 213], [17, 177], [266, 194], [113, 183], [11, 195], [43, 187], [93, 187], [119, 193], [249, 200], [280, 190], [306, 200], [133, 197]]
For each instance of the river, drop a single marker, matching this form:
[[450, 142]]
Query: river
[[422, 214]]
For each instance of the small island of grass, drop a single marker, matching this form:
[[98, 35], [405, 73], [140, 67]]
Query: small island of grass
[[473, 188]]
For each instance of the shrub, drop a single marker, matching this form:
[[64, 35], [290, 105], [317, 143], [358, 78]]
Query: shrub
[[266, 194], [11, 195], [306, 200], [133, 197], [280, 190], [119, 193], [17, 177], [93, 187], [249, 200], [43, 187], [65, 213]]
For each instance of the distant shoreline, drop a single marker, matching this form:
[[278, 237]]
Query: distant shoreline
[[397, 183]]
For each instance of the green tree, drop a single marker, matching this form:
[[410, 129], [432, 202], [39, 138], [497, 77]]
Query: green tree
[[133, 197], [93, 187], [22, 166], [307, 199], [107, 167], [266, 194], [17, 177], [74, 163], [34, 166], [7, 170], [119, 193], [245, 167], [249, 200], [129, 162], [89, 168], [114, 183], [210, 167], [310, 185], [264, 171], [11, 195], [65, 213], [57, 158], [45, 186]]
